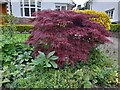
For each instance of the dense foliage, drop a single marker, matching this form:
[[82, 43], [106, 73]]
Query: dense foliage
[[99, 71], [71, 35], [13, 54], [115, 28], [19, 69], [101, 18]]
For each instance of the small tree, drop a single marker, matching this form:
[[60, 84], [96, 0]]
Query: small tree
[[71, 35], [9, 26]]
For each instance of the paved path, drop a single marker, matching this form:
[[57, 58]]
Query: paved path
[[111, 49]]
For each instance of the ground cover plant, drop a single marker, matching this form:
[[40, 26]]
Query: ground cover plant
[[98, 72]]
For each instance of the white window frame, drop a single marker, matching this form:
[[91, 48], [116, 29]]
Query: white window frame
[[29, 6], [60, 5], [110, 13]]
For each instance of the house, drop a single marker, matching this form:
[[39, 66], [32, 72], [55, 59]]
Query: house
[[110, 7], [23, 9]]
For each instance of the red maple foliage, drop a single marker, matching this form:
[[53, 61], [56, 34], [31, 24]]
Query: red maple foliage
[[70, 34]]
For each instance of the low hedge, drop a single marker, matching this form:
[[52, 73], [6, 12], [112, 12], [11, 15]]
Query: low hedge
[[23, 28], [115, 28], [26, 28]]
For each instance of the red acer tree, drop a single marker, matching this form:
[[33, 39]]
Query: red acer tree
[[70, 34]]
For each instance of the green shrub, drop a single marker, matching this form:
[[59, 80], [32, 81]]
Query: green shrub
[[9, 27], [9, 24], [115, 27], [23, 28], [7, 19]]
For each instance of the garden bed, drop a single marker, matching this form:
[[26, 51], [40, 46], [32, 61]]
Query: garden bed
[[60, 52]]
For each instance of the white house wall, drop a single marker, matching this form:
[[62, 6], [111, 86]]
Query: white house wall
[[47, 5], [58, 1], [104, 6], [119, 11]]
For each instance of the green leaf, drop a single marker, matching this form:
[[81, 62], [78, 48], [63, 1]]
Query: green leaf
[[47, 64], [54, 64], [36, 62], [50, 54], [53, 58], [16, 72], [87, 84], [5, 81], [41, 54]]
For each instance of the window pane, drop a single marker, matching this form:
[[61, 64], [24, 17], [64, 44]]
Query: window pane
[[21, 11], [39, 9], [38, 4], [26, 2], [106, 12], [32, 11], [112, 14], [26, 11], [21, 3], [63, 8], [32, 3], [58, 8]]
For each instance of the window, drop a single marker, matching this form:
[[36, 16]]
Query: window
[[21, 4], [26, 11], [110, 13], [63, 8], [60, 7], [39, 4], [21, 11], [32, 10], [26, 2], [29, 6], [32, 3], [39, 9]]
